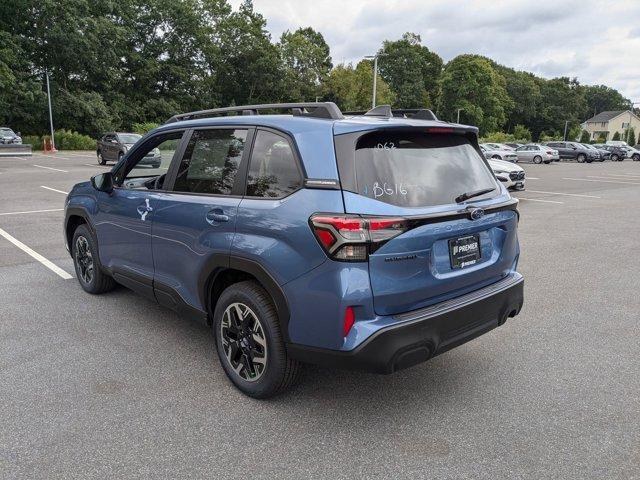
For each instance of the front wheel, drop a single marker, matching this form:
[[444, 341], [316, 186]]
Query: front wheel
[[85, 260], [101, 160], [537, 160], [581, 158], [249, 342], [636, 157], [614, 158]]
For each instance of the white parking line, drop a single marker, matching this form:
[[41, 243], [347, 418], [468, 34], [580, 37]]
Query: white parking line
[[538, 200], [96, 165], [624, 175], [33, 211], [51, 168], [601, 181], [54, 190], [567, 194], [533, 178], [47, 263]]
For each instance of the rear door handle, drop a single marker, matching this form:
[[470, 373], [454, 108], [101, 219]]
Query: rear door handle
[[216, 216]]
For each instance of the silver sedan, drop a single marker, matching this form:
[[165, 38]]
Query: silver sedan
[[536, 154]]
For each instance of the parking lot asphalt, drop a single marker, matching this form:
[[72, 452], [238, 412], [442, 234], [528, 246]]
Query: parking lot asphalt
[[116, 386]]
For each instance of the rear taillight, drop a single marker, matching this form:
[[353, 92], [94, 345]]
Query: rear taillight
[[351, 237]]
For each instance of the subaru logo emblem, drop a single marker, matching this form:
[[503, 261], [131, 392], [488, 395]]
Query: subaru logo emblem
[[476, 214]]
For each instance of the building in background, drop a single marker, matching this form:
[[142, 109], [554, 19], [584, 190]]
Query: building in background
[[604, 125]]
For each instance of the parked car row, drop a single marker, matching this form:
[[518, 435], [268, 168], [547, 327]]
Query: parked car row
[[113, 146], [560, 150]]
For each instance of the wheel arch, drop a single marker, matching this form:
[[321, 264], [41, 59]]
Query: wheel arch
[[74, 217], [221, 273]]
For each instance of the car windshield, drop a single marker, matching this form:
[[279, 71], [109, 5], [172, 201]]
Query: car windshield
[[7, 131], [129, 137], [419, 170]]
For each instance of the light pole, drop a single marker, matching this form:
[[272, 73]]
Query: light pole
[[459, 110], [566, 124], [375, 75], [53, 140]]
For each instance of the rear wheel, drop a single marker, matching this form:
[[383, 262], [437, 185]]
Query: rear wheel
[[249, 341], [615, 158], [85, 260], [636, 157], [538, 159], [120, 155]]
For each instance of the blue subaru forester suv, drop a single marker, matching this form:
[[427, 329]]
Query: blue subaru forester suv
[[371, 241]]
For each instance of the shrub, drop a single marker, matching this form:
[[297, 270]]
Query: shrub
[[34, 140], [616, 136], [585, 137], [522, 133], [142, 128], [68, 140]]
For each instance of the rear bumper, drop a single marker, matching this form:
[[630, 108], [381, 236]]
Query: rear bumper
[[424, 333]]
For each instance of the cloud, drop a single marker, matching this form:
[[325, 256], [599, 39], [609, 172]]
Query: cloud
[[594, 40]]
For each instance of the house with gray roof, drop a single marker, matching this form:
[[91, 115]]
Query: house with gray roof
[[604, 125]]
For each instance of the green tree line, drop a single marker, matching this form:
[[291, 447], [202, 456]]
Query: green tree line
[[116, 64]]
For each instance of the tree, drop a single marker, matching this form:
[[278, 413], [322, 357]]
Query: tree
[[524, 93], [630, 136], [561, 100], [599, 98], [411, 70], [616, 136], [638, 142], [307, 63], [585, 137], [351, 88], [470, 83]]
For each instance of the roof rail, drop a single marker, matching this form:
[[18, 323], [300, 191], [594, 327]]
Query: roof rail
[[327, 110], [387, 112]]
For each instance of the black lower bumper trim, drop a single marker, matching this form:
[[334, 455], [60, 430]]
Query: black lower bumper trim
[[425, 333]]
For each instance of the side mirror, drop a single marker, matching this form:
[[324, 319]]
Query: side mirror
[[103, 182]]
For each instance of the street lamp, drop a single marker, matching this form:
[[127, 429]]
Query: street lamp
[[459, 110], [375, 75], [53, 140]]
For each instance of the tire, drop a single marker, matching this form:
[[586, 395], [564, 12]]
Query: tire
[[636, 157], [615, 158], [497, 157], [278, 371], [120, 155], [101, 160], [581, 158], [85, 260], [547, 162], [538, 160]]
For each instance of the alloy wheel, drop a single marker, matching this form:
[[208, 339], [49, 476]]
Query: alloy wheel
[[244, 341], [84, 259]]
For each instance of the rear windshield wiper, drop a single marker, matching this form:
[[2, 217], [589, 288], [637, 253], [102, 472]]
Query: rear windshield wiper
[[466, 196]]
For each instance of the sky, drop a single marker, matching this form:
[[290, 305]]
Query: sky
[[597, 41]]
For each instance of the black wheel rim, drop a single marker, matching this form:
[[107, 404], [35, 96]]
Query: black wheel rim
[[84, 260], [244, 342]]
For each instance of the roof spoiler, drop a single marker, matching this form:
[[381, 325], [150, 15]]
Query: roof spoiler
[[327, 110]]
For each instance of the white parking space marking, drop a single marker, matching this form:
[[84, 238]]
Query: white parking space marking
[[47, 263], [601, 181], [567, 194], [54, 190], [51, 168], [533, 178], [539, 200], [624, 175], [96, 165], [33, 211]]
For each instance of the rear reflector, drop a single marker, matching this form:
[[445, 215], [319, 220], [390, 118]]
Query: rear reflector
[[349, 320]]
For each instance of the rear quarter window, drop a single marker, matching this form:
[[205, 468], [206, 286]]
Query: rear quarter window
[[419, 169]]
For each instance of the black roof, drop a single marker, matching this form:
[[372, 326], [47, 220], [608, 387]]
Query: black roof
[[606, 116]]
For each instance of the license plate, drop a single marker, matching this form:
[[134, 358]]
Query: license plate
[[519, 185], [464, 251]]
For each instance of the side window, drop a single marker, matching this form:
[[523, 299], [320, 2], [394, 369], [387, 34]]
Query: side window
[[150, 160], [273, 172], [211, 161]]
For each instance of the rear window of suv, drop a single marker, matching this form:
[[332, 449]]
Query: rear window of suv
[[415, 169]]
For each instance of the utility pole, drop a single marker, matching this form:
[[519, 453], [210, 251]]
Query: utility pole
[[566, 124], [459, 110], [375, 76], [53, 141]]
